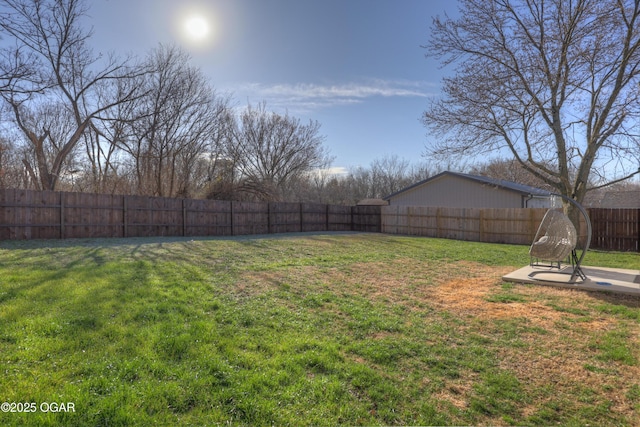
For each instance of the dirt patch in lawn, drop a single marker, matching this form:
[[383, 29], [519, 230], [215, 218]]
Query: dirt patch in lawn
[[472, 296], [553, 350]]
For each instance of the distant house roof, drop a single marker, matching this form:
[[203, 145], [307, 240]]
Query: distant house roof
[[372, 202], [499, 183], [621, 199]]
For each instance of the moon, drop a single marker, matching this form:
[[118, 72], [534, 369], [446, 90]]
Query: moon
[[196, 27]]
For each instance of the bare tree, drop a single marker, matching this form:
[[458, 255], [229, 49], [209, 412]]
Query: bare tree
[[382, 177], [105, 168], [174, 127], [509, 170], [59, 69], [220, 182], [271, 151], [556, 83], [11, 174], [58, 123], [389, 174], [103, 171], [16, 71]]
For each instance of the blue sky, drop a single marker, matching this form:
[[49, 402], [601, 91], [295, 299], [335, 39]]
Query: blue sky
[[356, 66]]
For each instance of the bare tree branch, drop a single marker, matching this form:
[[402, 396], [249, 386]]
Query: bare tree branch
[[56, 66], [270, 151], [553, 82]]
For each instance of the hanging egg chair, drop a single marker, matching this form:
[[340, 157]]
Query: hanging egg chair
[[556, 243]]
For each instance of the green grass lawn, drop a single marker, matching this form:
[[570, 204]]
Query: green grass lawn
[[343, 329]]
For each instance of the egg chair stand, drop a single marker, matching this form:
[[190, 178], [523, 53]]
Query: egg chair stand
[[556, 243]]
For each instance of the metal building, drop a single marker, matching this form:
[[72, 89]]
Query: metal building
[[459, 190]]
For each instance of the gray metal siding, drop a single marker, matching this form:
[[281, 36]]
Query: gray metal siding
[[456, 192]]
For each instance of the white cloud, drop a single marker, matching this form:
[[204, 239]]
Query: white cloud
[[350, 91], [333, 171], [306, 97]]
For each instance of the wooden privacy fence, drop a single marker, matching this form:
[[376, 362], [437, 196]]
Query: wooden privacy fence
[[616, 229], [504, 225], [500, 225], [26, 214]]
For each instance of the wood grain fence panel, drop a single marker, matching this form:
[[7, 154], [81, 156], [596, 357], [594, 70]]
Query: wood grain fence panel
[[339, 218], [390, 220], [613, 229], [515, 226], [26, 214], [414, 221], [284, 217], [153, 216], [620, 224], [8, 215], [458, 223], [510, 225], [250, 218], [599, 227], [616, 229], [138, 216], [109, 215], [428, 221], [92, 215], [394, 219], [366, 218], [41, 214], [492, 227], [167, 217], [208, 218], [31, 214], [314, 217], [439, 218]]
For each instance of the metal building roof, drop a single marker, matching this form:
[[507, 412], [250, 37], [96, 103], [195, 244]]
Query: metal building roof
[[508, 185]]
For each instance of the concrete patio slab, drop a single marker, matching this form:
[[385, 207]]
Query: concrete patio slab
[[617, 280]]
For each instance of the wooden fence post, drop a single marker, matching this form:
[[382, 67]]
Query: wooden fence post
[[124, 217], [184, 218], [231, 218], [61, 215], [353, 225], [326, 218], [533, 225]]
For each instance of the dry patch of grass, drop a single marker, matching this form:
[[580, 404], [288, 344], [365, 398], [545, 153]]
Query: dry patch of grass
[[555, 329], [399, 281], [556, 354]]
